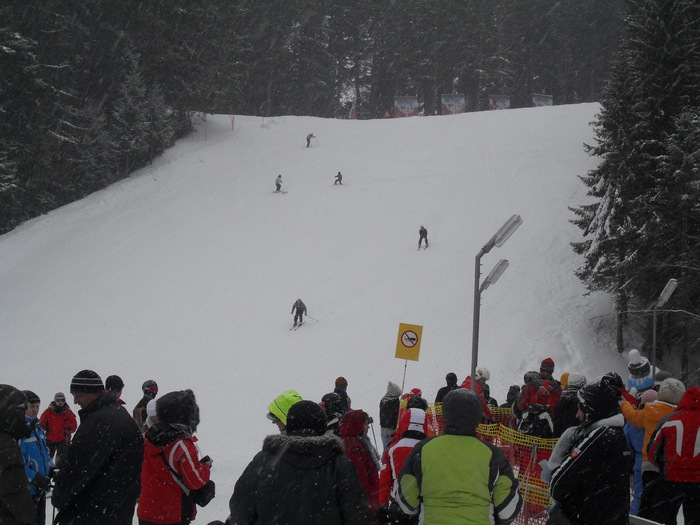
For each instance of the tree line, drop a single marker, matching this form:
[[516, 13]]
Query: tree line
[[641, 226], [92, 90]]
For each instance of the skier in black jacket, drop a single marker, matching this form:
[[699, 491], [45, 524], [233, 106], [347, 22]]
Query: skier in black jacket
[[100, 476], [298, 309], [422, 236], [301, 477]]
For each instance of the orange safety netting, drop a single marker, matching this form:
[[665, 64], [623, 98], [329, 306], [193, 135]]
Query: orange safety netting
[[524, 452]]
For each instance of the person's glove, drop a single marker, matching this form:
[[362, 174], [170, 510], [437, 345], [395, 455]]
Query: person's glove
[[41, 482], [615, 380]]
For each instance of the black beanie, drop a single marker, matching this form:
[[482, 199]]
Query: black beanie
[[31, 397], [13, 404], [306, 418], [598, 400], [86, 382], [462, 410], [332, 403], [417, 402], [114, 383], [179, 408]]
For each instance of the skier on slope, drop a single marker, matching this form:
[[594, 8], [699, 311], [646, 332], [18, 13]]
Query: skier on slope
[[298, 309], [338, 179], [423, 236], [278, 183], [308, 139]]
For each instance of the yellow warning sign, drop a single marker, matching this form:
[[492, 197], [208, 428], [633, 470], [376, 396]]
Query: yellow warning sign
[[408, 342]]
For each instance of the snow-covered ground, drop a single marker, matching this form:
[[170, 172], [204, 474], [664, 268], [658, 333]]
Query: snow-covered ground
[[186, 272]]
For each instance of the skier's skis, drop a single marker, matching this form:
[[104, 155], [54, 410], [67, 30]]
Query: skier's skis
[[296, 326]]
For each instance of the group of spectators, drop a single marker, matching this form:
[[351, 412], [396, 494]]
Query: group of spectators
[[113, 460], [321, 467]]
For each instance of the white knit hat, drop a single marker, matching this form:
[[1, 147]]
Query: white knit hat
[[671, 391]]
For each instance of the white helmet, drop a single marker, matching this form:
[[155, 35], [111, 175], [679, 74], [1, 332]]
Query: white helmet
[[482, 373]]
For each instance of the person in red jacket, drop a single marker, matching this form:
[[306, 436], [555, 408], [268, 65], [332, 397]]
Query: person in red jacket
[[173, 476], [413, 428], [59, 423], [482, 375], [675, 451], [353, 431]]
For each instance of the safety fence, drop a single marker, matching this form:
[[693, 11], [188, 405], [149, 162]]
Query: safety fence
[[524, 452]]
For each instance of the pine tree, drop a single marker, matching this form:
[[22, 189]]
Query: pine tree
[[642, 222]]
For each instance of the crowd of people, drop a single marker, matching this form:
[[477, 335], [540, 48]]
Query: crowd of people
[[322, 467]]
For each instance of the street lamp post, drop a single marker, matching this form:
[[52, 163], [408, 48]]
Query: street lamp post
[[665, 294], [498, 239]]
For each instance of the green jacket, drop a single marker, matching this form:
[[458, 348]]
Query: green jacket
[[457, 479]]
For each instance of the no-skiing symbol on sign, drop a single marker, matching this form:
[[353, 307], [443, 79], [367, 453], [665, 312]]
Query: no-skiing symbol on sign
[[409, 338], [408, 341]]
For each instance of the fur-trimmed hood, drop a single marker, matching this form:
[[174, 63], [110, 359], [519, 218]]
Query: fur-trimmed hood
[[304, 452]]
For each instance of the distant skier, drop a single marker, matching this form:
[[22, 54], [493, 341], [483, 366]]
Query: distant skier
[[423, 235], [278, 183], [298, 309], [308, 139], [339, 179]]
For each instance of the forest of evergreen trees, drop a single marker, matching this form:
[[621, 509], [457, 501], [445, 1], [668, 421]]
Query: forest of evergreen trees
[[91, 90], [642, 227]]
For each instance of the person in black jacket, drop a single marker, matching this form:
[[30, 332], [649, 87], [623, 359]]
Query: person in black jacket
[[451, 385], [389, 407], [590, 463], [301, 477], [335, 409], [422, 236], [16, 505], [150, 391], [99, 479], [298, 309], [567, 407]]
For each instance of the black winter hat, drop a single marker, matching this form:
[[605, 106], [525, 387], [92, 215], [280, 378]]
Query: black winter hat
[[114, 384], [31, 397], [598, 400], [451, 378], [417, 402], [13, 404], [462, 410], [333, 403], [86, 382], [179, 408], [306, 418]]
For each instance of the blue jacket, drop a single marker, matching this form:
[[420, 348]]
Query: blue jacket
[[35, 453]]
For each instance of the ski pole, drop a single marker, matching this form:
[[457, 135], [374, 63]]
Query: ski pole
[[307, 315], [373, 436], [317, 142]]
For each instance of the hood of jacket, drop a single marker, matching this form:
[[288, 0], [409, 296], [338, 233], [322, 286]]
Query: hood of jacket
[[162, 434], [304, 452], [352, 424], [690, 400]]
